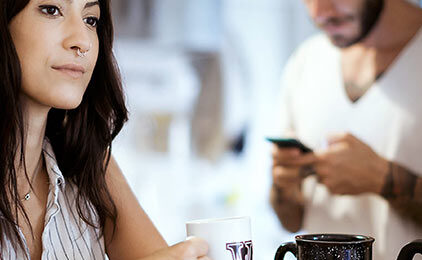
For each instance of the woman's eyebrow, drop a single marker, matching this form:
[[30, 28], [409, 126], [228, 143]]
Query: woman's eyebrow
[[87, 5], [90, 4]]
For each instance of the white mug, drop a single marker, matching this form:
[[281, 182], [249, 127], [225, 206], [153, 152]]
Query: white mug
[[228, 238]]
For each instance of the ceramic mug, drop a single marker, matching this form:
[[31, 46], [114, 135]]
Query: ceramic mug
[[339, 247], [228, 238]]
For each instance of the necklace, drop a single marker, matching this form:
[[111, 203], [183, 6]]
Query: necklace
[[28, 193]]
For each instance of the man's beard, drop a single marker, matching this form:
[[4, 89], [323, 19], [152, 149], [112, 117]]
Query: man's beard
[[370, 15]]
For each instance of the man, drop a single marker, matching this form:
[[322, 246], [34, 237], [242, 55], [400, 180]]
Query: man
[[353, 95]]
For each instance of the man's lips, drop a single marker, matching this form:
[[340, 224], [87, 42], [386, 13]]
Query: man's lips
[[73, 70], [333, 29], [336, 25]]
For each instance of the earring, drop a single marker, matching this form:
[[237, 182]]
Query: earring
[[80, 53], [83, 53]]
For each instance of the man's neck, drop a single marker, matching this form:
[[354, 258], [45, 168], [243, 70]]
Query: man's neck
[[398, 23], [362, 63]]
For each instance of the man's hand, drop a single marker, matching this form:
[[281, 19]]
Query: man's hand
[[350, 167], [287, 164], [286, 195]]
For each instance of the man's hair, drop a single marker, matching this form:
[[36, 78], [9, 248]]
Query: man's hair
[[81, 138]]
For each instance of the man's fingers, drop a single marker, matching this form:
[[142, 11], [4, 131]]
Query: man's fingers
[[306, 171], [287, 177], [292, 157], [324, 173], [304, 159], [337, 137], [342, 138], [283, 154]]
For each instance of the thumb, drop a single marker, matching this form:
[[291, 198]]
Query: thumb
[[339, 138], [200, 245], [192, 248]]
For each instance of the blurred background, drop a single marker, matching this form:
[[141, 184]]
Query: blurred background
[[201, 77]]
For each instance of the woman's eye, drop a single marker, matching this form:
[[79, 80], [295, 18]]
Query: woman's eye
[[92, 21], [50, 10]]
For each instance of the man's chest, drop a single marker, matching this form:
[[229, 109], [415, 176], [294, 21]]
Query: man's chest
[[382, 117], [360, 70]]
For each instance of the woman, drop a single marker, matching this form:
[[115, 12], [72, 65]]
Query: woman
[[61, 105]]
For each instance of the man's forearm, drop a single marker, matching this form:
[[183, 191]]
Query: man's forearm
[[289, 207], [403, 189]]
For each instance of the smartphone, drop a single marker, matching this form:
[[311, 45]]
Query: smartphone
[[289, 142]]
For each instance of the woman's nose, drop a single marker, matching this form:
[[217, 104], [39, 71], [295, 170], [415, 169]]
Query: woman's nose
[[77, 36]]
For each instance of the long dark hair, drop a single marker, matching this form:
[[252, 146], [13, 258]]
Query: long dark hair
[[81, 138]]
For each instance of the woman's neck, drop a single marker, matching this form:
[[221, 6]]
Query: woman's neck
[[35, 122]]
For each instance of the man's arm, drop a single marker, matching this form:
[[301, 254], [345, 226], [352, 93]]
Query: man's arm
[[286, 195], [403, 190], [288, 208], [351, 167]]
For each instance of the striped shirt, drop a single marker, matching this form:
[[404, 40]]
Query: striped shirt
[[65, 235]]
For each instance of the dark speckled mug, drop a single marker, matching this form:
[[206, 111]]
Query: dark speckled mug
[[339, 247], [328, 247]]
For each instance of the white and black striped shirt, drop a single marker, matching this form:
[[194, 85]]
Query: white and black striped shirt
[[65, 235]]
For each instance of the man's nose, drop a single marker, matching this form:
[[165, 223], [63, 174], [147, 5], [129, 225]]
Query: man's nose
[[321, 10]]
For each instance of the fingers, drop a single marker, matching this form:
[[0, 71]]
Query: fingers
[[283, 177], [323, 176], [192, 249], [283, 154], [197, 246], [338, 137], [303, 160], [307, 170], [328, 176], [292, 157], [321, 171], [343, 137]]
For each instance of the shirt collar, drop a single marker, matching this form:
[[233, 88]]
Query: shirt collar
[[54, 174]]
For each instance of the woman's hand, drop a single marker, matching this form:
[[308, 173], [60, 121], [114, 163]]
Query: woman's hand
[[192, 249]]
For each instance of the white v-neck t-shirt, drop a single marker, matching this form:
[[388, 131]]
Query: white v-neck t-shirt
[[388, 118]]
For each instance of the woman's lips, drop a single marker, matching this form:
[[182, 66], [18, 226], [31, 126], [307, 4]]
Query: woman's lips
[[73, 70]]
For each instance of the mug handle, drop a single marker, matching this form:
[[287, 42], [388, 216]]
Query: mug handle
[[410, 250], [284, 248]]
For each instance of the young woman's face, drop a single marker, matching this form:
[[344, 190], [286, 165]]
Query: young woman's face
[[57, 45]]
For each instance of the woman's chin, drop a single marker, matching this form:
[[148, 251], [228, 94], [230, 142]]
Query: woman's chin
[[68, 103]]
